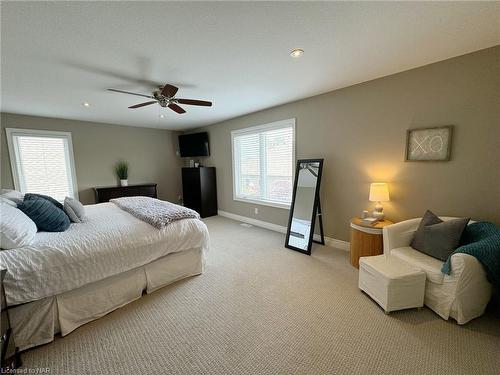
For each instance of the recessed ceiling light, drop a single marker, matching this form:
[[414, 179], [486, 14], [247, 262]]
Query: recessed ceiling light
[[162, 116], [297, 52], [86, 104]]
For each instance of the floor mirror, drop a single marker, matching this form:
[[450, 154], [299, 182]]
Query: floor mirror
[[305, 207]]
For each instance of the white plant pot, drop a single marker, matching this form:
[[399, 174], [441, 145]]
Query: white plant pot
[[123, 182]]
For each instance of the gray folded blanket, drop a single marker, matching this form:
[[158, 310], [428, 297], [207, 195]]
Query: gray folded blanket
[[153, 211]]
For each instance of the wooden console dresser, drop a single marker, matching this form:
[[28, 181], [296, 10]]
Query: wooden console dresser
[[199, 190], [104, 194]]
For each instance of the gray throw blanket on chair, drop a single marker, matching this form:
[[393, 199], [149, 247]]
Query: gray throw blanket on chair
[[153, 211]]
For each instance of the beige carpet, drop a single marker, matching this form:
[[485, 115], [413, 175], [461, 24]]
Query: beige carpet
[[262, 309]]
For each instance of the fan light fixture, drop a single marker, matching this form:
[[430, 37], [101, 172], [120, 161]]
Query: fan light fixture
[[86, 104], [296, 53]]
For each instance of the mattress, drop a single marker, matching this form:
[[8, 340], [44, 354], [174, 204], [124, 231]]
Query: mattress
[[110, 242]]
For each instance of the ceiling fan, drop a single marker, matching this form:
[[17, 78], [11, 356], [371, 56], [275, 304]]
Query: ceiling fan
[[165, 97]]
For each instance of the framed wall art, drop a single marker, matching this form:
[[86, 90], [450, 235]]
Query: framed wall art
[[429, 144]]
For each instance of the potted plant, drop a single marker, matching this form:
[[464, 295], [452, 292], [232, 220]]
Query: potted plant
[[121, 170]]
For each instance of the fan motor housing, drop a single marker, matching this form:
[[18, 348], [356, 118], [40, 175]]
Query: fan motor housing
[[162, 100]]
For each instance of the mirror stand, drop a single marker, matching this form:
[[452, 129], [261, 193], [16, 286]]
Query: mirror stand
[[305, 207], [320, 219]]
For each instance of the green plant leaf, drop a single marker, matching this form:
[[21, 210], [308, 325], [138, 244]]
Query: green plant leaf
[[121, 170]]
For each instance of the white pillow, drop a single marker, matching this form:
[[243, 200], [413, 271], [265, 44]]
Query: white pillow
[[12, 195], [8, 201], [16, 229], [74, 209]]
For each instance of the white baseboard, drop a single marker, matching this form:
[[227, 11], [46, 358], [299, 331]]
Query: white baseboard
[[332, 242], [338, 244]]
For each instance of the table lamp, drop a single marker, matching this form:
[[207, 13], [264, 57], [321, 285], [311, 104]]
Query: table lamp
[[379, 192]]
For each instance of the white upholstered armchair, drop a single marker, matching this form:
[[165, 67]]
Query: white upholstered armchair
[[462, 295]]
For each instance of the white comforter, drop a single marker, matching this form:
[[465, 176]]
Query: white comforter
[[111, 241]]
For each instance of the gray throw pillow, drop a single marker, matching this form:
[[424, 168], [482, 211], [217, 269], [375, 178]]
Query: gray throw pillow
[[74, 209], [441, 239], [428, 219]]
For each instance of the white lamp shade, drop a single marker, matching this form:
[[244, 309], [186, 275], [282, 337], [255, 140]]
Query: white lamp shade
[[379, 192]]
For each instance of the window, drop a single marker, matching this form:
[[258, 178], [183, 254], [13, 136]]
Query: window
[[42, 162], [263, 158]]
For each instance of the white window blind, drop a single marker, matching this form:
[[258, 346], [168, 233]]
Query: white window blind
[[263, 158], [42, 162]]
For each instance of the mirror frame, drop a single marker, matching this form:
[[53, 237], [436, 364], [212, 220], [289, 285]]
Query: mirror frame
[[316, 206]]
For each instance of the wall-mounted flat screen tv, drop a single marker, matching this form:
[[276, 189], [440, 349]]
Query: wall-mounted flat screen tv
[[192, 145]]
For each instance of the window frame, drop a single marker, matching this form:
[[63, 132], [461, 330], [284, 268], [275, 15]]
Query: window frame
[[255, 130], [15, 161]]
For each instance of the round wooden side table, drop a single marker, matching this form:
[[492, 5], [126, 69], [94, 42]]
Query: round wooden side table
[[366, 240]]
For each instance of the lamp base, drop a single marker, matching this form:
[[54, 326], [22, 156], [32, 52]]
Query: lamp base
[[378, 212]]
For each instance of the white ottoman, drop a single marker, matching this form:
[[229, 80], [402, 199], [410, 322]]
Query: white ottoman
[[391, 282]]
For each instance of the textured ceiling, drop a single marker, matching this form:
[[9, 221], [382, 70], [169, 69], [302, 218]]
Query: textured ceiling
[[56, 55]]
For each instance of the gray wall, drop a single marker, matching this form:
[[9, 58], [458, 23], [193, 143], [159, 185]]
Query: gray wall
[[151, 154], [360, 131]]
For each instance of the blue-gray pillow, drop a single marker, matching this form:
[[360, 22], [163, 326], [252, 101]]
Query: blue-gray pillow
[[29, 196], [47, 216]]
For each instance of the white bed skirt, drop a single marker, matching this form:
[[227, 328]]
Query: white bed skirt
[[37, 322]]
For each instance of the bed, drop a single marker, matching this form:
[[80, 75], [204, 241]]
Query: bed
[[64, 280]]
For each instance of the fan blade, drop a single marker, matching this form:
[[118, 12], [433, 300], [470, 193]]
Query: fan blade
[[131, 93], [169, 91], [176, 108], [142, 104], [194, 102]]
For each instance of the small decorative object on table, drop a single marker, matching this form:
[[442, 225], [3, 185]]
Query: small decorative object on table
[[366, 240], [121, 170], [369, 220], [379, 192]]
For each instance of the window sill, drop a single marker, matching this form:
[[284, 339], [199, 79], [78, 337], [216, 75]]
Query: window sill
[[263, 203]]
